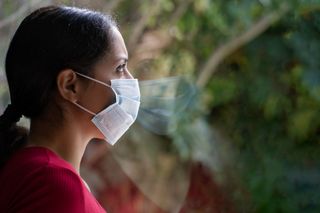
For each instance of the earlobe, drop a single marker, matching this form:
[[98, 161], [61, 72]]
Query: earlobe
[[67, 84]]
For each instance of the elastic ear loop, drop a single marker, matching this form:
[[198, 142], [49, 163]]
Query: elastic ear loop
[[92, 79], [81, 107], [100, 82]]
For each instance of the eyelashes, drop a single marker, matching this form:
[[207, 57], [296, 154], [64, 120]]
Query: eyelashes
[[121, 68]]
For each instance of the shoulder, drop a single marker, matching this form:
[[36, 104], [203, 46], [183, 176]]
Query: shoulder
[[39, 164], [43, 184], [60, 178], [62, 183], [51, 189], [55, 189]]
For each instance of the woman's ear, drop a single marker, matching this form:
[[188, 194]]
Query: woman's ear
[[68, 85]]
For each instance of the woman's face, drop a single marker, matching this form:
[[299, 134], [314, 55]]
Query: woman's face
[[97, 97]]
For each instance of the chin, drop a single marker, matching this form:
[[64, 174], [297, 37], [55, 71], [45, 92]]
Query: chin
[[99, 138]]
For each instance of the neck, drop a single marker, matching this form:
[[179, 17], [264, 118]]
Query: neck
[[64, 140]]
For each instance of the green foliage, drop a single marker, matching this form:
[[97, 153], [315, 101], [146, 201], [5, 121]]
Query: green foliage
[[274, 112]]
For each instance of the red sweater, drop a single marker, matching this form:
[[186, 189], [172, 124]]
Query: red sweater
[[36, 179]]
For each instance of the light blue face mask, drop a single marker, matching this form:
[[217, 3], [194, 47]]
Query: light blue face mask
[[116, 119]]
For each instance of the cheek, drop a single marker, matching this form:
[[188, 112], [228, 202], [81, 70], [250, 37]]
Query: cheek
[[98, 98]]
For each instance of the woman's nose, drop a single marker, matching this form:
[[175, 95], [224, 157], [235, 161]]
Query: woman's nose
[[128, 75]]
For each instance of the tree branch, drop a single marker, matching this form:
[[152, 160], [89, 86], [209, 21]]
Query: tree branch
[[222, 52], [111, 6], [141, 24], [181, 9], [21, 11]]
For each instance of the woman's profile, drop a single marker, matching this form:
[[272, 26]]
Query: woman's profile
[[67, 72]]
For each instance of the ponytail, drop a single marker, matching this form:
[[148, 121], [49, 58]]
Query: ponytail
[[12, 137]]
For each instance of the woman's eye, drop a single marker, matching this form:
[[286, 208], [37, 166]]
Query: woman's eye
[[121, 68]]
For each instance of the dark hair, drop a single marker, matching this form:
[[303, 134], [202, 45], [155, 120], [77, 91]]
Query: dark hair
[[47, 41]]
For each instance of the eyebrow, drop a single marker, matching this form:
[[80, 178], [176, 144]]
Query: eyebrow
[[122, 58]]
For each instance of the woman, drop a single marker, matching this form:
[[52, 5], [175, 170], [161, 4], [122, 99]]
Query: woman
[[67, 72]]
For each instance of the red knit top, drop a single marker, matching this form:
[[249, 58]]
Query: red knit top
[[36, 179]]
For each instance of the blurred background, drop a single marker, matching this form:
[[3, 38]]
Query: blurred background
[[230, 113]]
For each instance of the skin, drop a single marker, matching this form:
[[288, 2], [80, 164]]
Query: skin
[[65, 128]]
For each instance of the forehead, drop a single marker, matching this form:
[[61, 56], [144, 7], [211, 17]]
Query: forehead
[[118, 54], [118, 47]]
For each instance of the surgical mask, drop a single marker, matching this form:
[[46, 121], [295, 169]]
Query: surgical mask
[[116, 119]]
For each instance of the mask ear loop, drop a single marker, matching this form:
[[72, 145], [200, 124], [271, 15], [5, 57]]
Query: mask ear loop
[[81, 107], [100, 82], [97, 81], [92, 79]]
